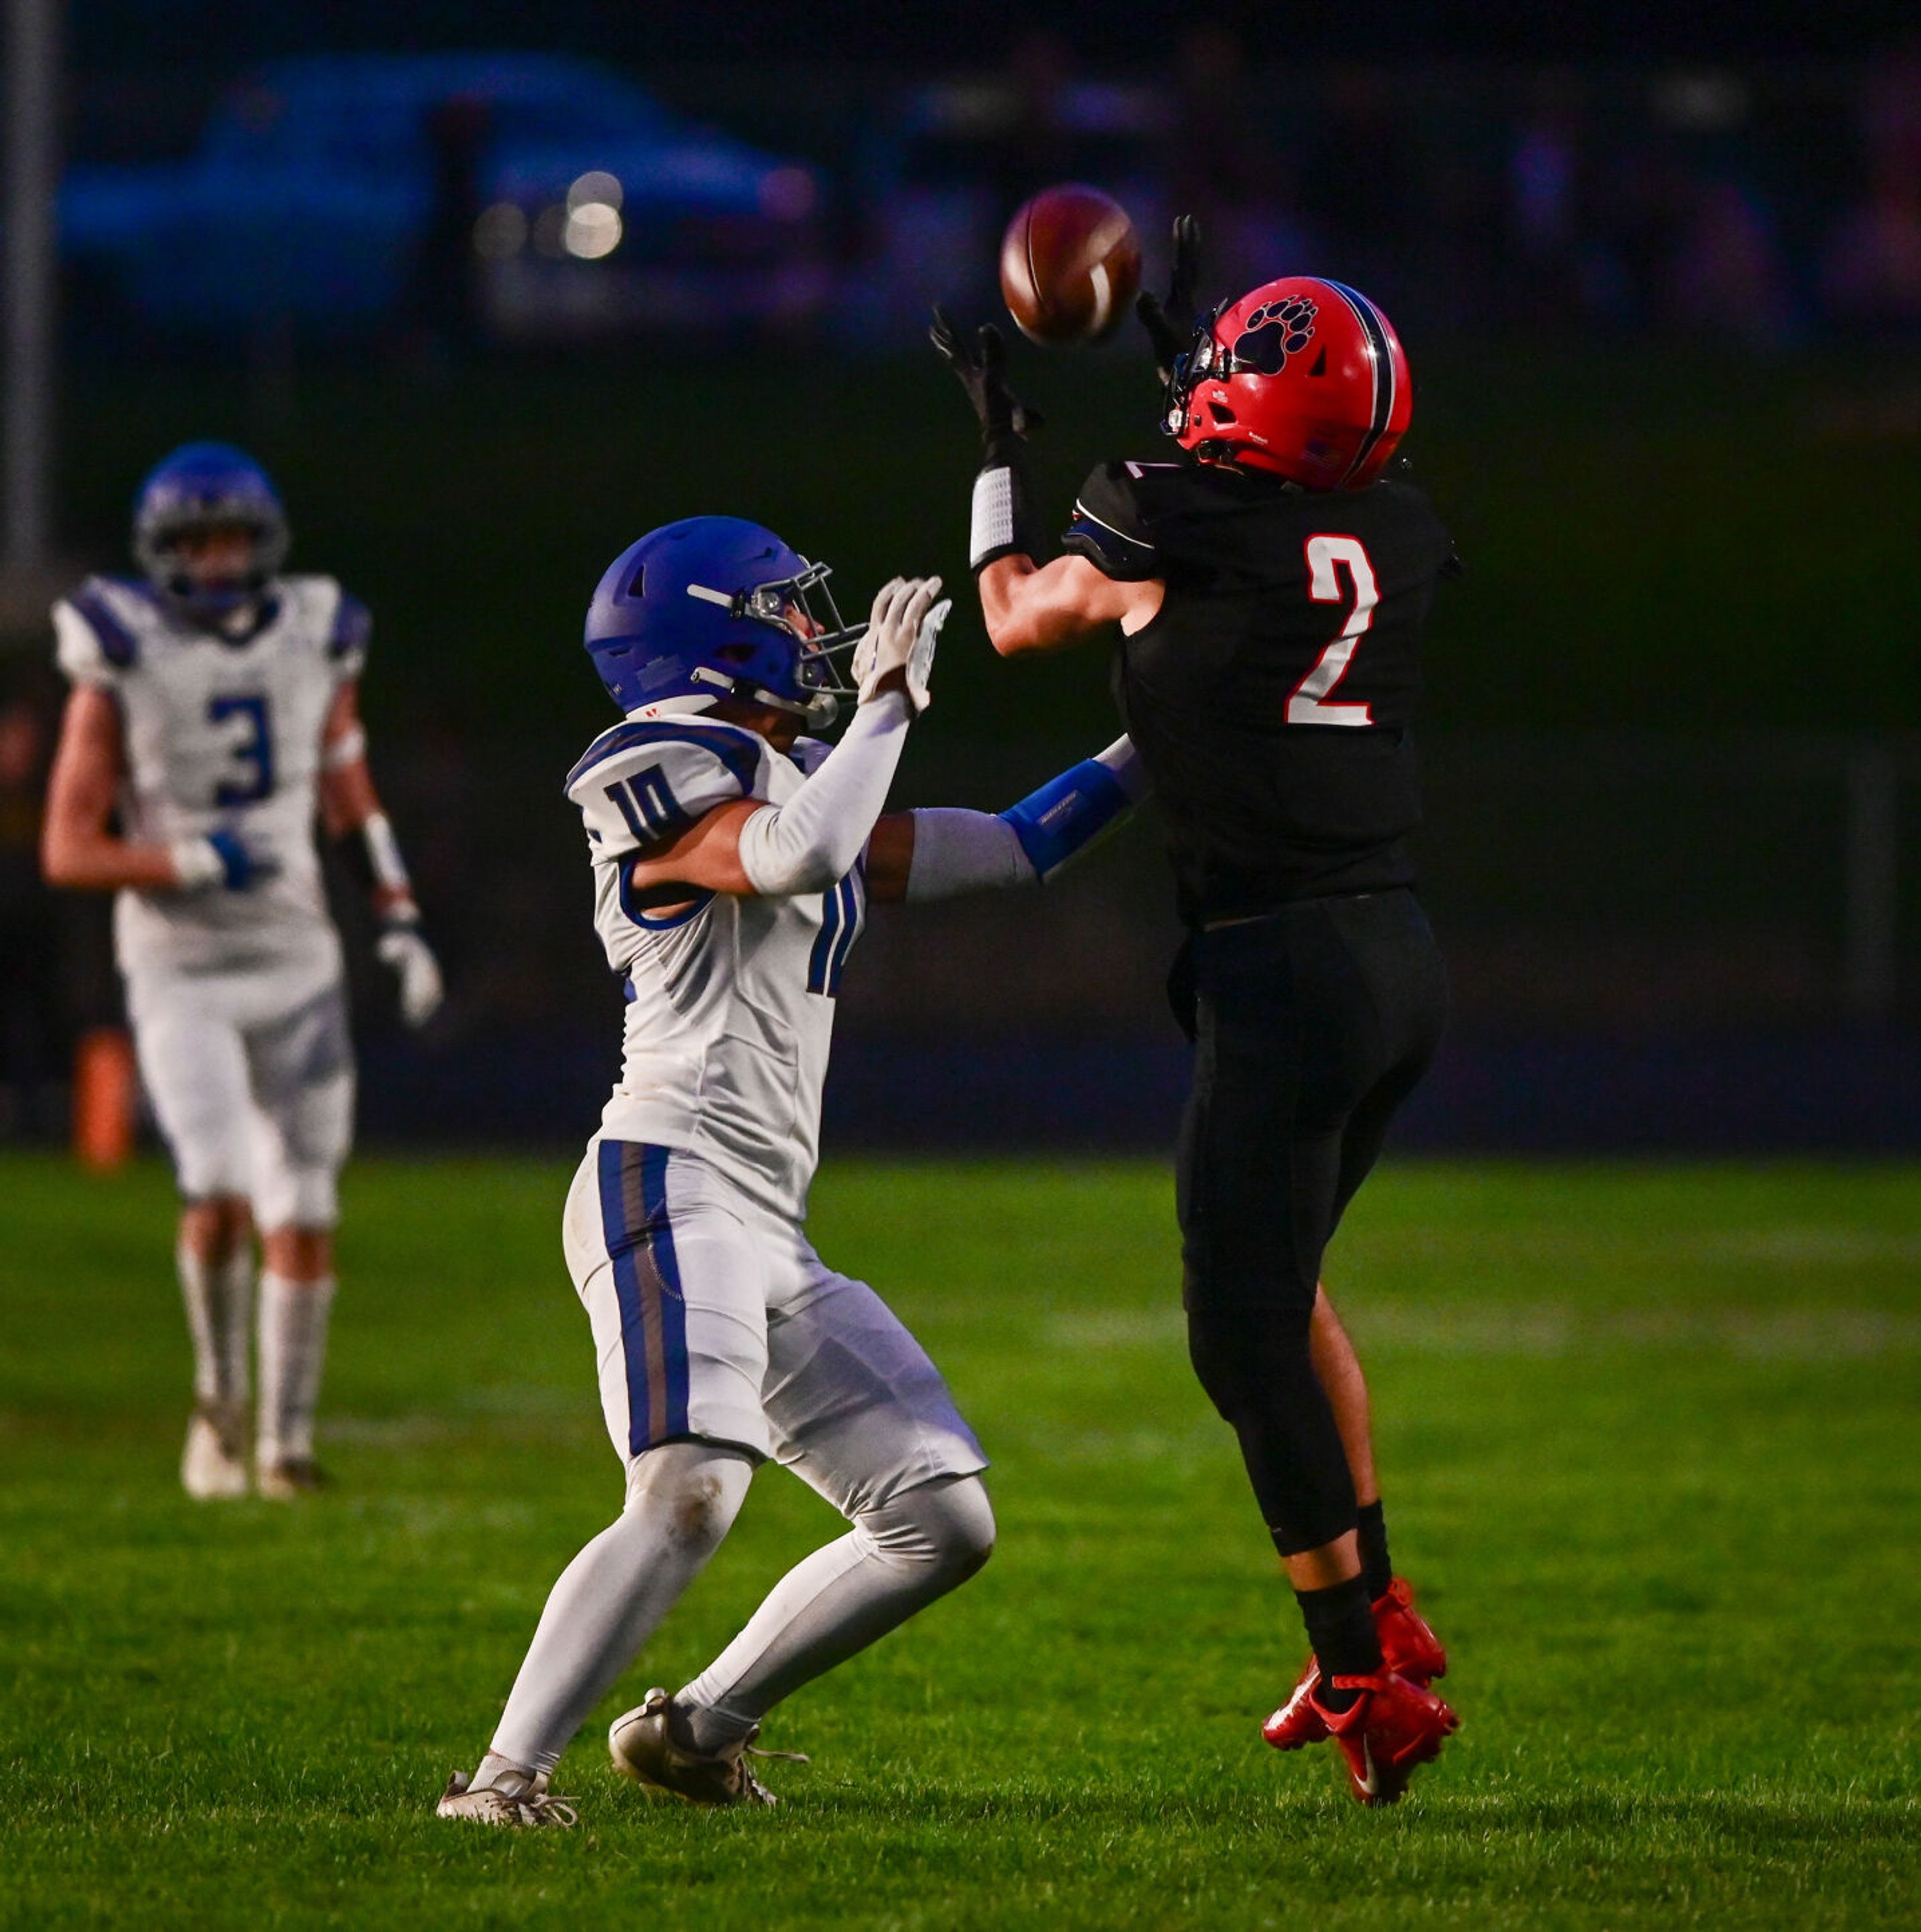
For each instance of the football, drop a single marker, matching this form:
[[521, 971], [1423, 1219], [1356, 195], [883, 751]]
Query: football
[[1070, 263]]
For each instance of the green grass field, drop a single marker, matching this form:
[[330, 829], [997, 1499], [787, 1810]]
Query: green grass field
[[1650, 1438]]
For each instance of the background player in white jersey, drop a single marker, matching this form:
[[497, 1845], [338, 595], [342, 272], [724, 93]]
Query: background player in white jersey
[[734, 860], [213, 712]]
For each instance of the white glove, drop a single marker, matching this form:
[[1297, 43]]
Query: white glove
[[402, 948], [222, 860], [901, 633]]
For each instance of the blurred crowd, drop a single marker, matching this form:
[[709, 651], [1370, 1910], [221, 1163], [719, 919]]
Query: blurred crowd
[[1755, 205]]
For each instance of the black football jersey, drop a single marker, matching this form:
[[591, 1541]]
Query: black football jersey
[[1270, 698]]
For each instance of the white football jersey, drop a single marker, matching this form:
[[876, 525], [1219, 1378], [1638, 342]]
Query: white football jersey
[[730, 1000], [221, 733]]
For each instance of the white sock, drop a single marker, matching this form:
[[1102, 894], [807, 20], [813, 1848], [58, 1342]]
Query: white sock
[[219, 1297], [293, 1351], [681, 1500], [498, 1773], [896, 1560]]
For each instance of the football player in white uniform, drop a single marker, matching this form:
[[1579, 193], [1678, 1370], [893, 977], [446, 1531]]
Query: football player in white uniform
[[213, 712], [734, 860]]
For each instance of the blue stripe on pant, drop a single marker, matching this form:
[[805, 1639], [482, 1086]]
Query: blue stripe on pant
[[653, 1311]]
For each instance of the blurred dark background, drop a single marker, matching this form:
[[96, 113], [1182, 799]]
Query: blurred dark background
[[490, 295]]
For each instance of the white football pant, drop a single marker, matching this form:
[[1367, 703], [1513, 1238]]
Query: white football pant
[[715, 1319], [255, 1097]]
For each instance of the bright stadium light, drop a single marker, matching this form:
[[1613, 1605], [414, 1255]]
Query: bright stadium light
[[592, 230], [595, 185]]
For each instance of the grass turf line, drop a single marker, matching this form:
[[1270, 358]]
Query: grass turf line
[[1649, 1436]]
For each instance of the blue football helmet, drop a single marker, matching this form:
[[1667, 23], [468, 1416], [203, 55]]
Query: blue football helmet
[[204, 486], [713, 608]]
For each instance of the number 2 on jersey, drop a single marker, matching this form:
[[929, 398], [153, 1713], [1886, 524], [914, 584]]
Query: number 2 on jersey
[[1326, 555]]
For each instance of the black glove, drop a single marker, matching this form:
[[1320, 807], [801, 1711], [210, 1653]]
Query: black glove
[[981, 366], [1006, 519], [1170, 324]]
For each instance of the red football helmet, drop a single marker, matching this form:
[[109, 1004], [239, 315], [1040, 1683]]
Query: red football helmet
[[1303, 377]]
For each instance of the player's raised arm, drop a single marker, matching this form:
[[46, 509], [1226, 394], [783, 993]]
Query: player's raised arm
[[350, 809], [1028, 606], [1050, 607]]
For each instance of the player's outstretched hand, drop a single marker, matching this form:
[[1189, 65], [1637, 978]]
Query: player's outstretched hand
[[901, 635], [401, 947], [1170, 324], [980, 364]]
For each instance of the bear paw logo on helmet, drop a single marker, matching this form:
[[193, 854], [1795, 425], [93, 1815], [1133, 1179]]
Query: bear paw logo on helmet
[[1274, 331]]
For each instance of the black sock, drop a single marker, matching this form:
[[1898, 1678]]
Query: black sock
[[1377, 1571], [1341, 1626]]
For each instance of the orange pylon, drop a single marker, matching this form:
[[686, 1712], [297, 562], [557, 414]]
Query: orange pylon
[[105, 1089]]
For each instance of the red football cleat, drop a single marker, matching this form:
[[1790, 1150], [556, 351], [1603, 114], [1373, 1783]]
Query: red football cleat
[[1390, 1729], [1297, 1722], [1409, 1647]]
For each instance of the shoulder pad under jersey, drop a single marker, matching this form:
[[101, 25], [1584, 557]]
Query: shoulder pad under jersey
[[96, 629], [640, 783], [810, 754], [1109, 529], [348, 633], [330, 622]]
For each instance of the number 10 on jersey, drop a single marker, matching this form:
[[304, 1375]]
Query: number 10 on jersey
[[1326, 555]]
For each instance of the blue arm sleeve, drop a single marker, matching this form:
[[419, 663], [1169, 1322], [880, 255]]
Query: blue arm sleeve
[[1067, 814]]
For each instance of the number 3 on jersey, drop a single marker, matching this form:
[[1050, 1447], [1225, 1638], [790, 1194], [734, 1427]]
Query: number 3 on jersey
[[1325, 555], [252, 751]]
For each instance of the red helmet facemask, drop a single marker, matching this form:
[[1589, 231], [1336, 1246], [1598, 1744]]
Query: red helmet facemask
[[1301, 377]]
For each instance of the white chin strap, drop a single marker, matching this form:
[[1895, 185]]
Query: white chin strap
[[820, 714]]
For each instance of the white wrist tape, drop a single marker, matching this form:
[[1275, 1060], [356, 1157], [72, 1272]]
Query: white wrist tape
[[196, 864], [383, 853], [993, 526], [807, 843], [959, 851]]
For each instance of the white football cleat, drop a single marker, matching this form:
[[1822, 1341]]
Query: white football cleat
[[644, 1749], [212, 1464], [532, 1804], [287, 1478]]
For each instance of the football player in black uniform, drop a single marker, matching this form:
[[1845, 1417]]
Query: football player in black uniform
[[1270, 587]]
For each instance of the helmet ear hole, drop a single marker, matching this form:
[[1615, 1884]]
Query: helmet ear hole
[[739, 654], [1220, 411]]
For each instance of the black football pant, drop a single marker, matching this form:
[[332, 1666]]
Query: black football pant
[[1312, 1025]]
